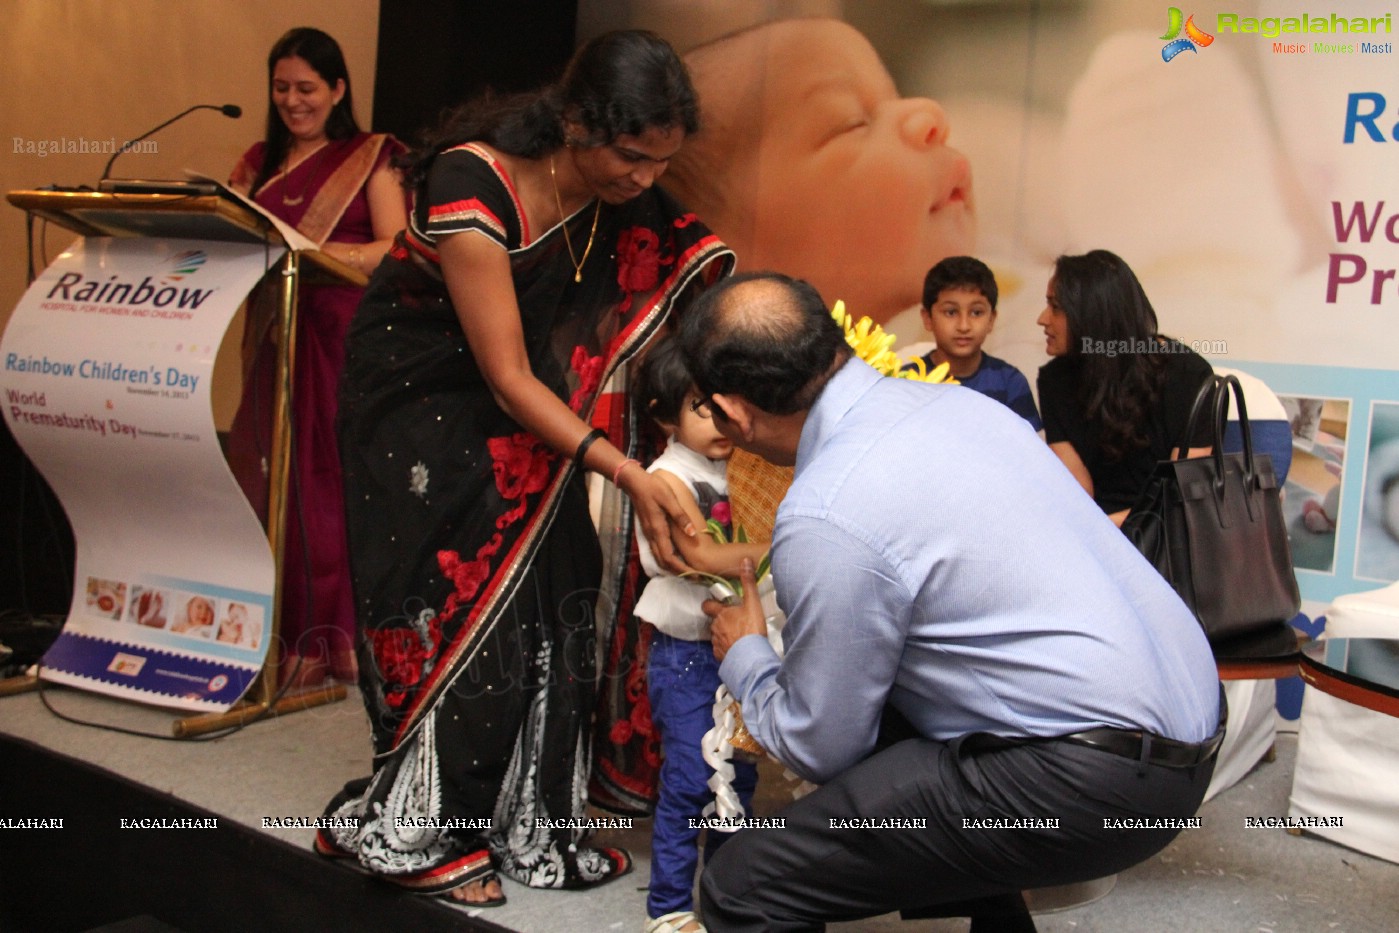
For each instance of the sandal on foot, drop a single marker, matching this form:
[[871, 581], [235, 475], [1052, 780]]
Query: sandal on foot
[[457, 872], [598, 865], [620, 859], [326, 846], [674, 922], [497, 901]]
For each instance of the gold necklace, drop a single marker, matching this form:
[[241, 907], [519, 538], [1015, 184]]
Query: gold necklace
[[577, 263]]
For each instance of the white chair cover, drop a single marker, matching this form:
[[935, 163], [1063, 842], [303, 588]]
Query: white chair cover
[[1348, 756], [1252, 729]]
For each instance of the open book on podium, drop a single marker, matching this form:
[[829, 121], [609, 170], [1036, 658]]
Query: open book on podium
[[198, 207], [108, 365]]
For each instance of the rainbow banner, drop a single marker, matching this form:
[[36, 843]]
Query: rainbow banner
[[105, 371]]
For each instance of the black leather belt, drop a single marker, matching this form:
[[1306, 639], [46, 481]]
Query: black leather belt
[[1143, 746], [1125, 743]]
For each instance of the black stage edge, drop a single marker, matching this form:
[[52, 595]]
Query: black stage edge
[[92, 874], [435, 54]]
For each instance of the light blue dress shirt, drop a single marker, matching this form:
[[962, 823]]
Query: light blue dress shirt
[[933, 553]]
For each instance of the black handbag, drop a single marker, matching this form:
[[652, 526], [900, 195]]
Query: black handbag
[[1213, 527]]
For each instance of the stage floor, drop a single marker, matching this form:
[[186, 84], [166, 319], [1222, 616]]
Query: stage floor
[[1219, 877]]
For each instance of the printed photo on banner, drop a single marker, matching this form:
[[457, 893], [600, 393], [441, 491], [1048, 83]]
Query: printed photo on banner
[[1377, 551], [106, 598], [149, 607], [1311, 499]]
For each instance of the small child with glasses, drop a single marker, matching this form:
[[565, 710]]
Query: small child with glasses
[[682, 674]]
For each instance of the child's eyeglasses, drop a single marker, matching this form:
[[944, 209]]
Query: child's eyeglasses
[[704, 407]]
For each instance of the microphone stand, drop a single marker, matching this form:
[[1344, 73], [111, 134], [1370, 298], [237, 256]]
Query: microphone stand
[[228, 110]]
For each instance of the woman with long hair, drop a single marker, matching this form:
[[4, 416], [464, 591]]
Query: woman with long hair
[[316, 170], [1117, 394], [537, 261]]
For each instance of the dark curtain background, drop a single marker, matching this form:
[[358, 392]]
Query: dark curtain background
[[36, 543], [434, 54]]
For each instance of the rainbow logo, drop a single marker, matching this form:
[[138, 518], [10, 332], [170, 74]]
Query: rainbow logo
[[1193, 35], [186, 263]]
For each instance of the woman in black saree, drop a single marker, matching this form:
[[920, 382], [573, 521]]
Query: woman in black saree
[[537, 261]]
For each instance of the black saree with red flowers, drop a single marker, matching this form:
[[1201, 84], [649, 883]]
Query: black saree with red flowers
[[478, 575]]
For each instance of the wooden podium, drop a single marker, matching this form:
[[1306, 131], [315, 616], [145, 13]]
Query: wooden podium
[[200, 212]]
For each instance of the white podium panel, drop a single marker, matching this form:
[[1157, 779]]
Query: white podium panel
[[105, 371]]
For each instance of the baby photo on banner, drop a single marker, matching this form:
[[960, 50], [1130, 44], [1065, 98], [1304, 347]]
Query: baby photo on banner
[[1238, 159]]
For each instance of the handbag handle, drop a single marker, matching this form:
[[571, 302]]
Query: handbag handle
[[1214, 394], [1232, 382], [1250, 477], [1204, 400]]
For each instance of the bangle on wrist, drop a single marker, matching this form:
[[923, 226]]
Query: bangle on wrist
[[620, 467], [587, 441], [354, 259]]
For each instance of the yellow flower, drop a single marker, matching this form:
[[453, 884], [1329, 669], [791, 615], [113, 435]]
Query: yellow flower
[[875, 347]]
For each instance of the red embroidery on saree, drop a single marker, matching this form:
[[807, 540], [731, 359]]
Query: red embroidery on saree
[[521, 464], [638, 259], [522, 468], [589, 372], [402, 655], [638, 722], [638, 725], [466, 576], [639, 263]]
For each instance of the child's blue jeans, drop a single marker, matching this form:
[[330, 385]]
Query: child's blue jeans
[[682, 677]]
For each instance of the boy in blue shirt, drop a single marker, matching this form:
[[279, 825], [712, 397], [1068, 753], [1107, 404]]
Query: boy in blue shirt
[[959, 310]]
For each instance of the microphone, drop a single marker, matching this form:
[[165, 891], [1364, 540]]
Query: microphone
[[228, 110]]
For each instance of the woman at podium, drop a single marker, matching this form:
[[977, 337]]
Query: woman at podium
[[538, 259], [336, 185]]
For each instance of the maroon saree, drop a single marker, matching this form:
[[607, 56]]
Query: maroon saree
[[325, 198]]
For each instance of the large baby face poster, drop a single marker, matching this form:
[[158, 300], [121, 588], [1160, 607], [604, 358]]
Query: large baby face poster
[[1240, 158]]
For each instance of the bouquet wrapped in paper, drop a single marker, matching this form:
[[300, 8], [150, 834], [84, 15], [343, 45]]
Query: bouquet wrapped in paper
[[729, 738]]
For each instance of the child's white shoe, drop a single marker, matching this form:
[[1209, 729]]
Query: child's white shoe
[[678, 921]]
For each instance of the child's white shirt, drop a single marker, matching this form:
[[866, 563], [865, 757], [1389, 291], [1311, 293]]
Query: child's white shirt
[[671, 603]]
